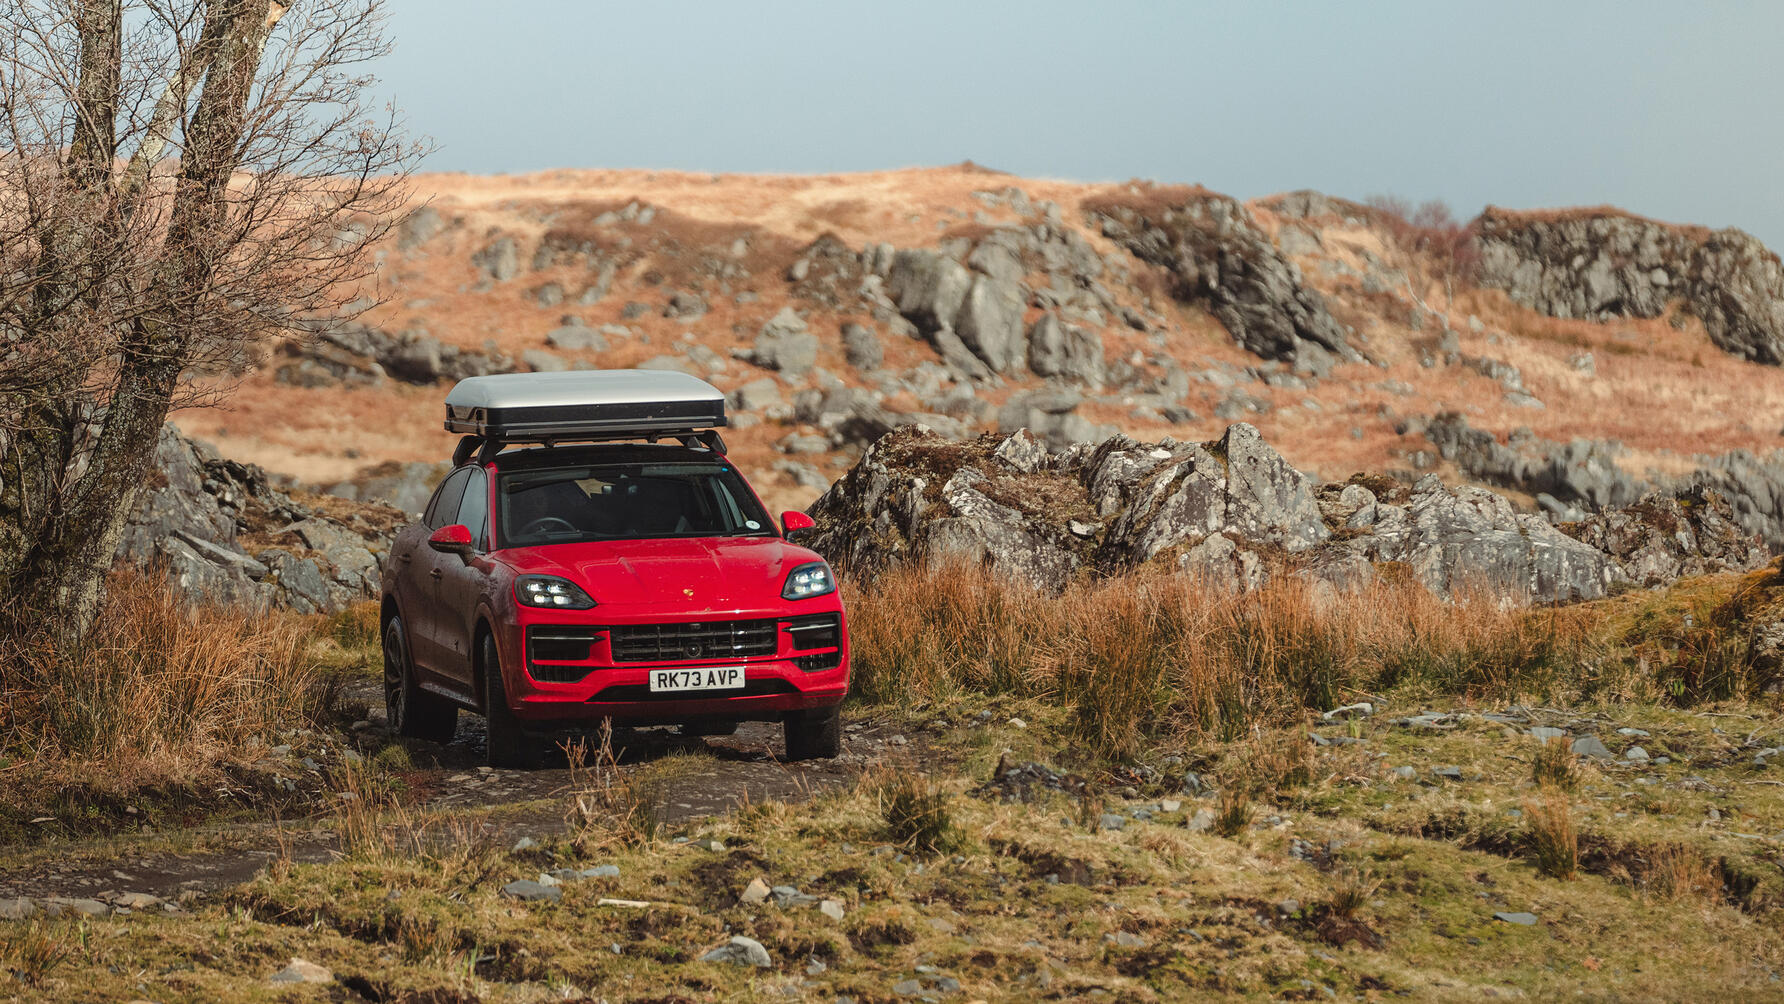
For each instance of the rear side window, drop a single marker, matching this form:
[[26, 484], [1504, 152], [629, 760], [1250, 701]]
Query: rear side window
[[445, 506], [473, 512]]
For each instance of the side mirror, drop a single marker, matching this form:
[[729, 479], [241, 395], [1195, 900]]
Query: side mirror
[[793, 521], [454, 538]]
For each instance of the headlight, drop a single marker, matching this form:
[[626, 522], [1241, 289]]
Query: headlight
[[808, 580], [550, 591]]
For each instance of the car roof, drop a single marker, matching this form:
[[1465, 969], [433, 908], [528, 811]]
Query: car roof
[[603, 453]]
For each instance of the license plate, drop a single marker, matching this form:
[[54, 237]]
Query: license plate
[[704, 678]]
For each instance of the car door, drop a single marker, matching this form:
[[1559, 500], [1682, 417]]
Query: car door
[[427, 567], [461, 584]]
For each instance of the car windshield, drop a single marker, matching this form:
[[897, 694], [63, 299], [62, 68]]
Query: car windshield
[[590, 502]]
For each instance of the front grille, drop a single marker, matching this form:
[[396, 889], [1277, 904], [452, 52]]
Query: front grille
[[559, 643], [685, 642], [635, 692]]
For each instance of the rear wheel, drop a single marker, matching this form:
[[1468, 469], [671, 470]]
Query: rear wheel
[[814, 735], [510, 745], [412, 713]]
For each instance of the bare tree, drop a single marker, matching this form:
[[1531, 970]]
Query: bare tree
[[178, 178]]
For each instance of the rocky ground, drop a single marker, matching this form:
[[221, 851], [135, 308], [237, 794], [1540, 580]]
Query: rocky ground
[[834, 308]]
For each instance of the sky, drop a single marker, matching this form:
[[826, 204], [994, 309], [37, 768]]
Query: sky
[[1670, 110]]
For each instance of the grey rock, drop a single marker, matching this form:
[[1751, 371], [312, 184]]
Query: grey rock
[[1520, 918], [1635, 753], [784, 344], [741, 951], [684, 306], [990, 323], [541, 361], [1405, 773], [1065, 351], [300, 971], [1111, 821], [861, 347], [529, 891], [1543, 733], [59, 906], [1591, 746], [928, 288], [756, 395], [499, 260], [576, 338], [419, 227], [17, 909]]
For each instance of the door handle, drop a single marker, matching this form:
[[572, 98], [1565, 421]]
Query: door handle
[[435, 572]]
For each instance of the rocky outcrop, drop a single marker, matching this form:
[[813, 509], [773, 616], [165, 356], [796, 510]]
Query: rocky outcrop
[[1601, 263], [1218, 258], [1666, 536], [359, 355], [1573, 479], [1230, 511], [223, 533]]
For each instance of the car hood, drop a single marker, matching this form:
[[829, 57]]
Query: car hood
[[689, 573]]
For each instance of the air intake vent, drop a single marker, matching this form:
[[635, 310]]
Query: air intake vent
[[553, 643]]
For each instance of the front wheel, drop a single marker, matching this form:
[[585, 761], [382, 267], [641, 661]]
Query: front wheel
[[509, 743], [411, 712], [814, 735]]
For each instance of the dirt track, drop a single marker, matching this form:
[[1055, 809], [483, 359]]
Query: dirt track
[[509, 805]]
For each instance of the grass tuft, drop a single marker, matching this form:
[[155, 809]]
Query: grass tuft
[[1554, 843], [1556, 765], [917, 815], [1234, 813]]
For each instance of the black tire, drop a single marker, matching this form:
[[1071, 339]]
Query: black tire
[[510, 745], [411, 712], [814, 735]]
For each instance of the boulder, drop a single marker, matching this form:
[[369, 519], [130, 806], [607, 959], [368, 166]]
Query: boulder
[[861, 347], [499, 260], [990, 323], [419, 227], [785, 345], [191, 520], [928, 288], [1065, 351]]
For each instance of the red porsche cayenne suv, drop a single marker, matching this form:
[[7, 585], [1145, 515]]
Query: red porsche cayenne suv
[[594, 571]]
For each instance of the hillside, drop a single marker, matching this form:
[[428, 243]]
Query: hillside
[[1139, 302]]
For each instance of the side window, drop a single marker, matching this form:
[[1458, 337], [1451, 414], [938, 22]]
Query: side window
[[446, 500], [473, 512]]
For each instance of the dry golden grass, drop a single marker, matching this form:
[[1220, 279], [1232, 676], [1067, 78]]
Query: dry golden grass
[[1144, 655], [1556, 765], [165, 692], [1554, 842]]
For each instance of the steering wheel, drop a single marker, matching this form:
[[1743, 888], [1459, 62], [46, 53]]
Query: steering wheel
[[543, 525]]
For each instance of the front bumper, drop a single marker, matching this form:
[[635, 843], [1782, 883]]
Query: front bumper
[[776, 683]]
